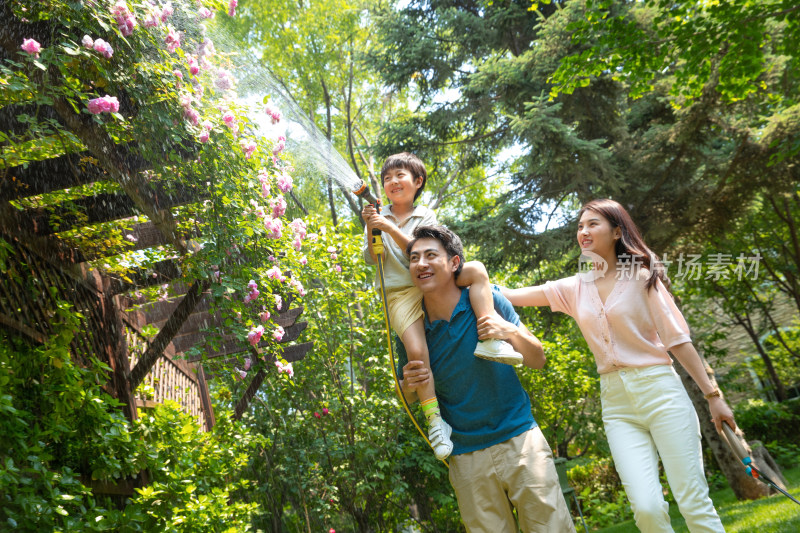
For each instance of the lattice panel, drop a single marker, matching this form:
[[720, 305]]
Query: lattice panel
[[167, 380], [28, 297]]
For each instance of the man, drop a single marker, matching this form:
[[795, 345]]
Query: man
[[500, 460]]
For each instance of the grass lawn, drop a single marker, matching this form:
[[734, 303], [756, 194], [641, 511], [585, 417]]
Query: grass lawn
[[776, 514]]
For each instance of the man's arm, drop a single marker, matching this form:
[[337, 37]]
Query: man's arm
[[523, 341]]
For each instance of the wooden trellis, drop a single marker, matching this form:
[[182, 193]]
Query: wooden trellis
[[43, 268]]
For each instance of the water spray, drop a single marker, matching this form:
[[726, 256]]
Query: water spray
[[314, 151]]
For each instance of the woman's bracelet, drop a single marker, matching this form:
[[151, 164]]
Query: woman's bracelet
[[716, 393]]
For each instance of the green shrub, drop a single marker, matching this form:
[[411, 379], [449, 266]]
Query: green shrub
[[769, 421], [598, 475], [786, 454], [598, 485], [58, 429]]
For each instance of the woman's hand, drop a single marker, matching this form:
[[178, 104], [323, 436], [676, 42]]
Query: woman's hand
[[720, 412]]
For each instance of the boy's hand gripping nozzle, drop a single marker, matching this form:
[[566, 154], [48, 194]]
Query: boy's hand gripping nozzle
[[377, 241]]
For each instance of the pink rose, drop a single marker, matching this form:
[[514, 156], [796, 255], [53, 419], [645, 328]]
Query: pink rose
[[264, 316], [298, 286], [232, 7], [152, 20], [31, 47], [173, 40], [193, 66], [285, 368], [273, 113], [105, 104], [278, 205], [285, 183], [126, 22], [192, 115], [274, 227], [229, 119], [299, 228], [203, 138], [325, 411], [166, 11], [87, 42], [280, 146], [248, 147], [255, 335], [205, 13], [224, 80], [103, 47]]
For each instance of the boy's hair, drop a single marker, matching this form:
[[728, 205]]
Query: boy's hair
[[450, 242], [407, 161]]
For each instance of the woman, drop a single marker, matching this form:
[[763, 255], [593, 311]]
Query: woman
[[628, 317]]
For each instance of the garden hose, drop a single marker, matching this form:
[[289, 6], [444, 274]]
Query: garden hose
[[747, 461], [377, 248]]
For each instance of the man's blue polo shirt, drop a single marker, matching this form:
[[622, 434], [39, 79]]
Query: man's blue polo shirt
[[482, 400]]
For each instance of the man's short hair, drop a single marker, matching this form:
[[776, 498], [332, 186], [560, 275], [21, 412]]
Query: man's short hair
[[407, 161], [449, 240]]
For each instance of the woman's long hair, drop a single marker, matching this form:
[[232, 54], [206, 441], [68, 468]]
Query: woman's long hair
[[630, 247]]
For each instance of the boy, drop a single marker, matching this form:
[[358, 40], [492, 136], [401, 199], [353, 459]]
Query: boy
[[404, 176]]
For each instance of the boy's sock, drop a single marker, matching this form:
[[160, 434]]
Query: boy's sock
[[439, 431], [430, 408]]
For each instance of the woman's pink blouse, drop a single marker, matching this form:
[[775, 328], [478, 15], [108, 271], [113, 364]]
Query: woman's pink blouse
[[634, 328]]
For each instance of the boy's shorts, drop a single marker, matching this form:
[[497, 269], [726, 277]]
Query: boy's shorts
[[405, 307]]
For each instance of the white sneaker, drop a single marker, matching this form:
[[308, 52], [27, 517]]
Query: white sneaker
[[439, 434], [498, 351]]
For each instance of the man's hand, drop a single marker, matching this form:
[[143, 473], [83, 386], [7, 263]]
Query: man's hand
[[495, 327], [414, 375]]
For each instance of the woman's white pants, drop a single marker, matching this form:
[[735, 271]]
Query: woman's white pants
[[647, 413]]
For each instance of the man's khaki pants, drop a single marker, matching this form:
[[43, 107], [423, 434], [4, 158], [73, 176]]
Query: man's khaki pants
[[516, 474]]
